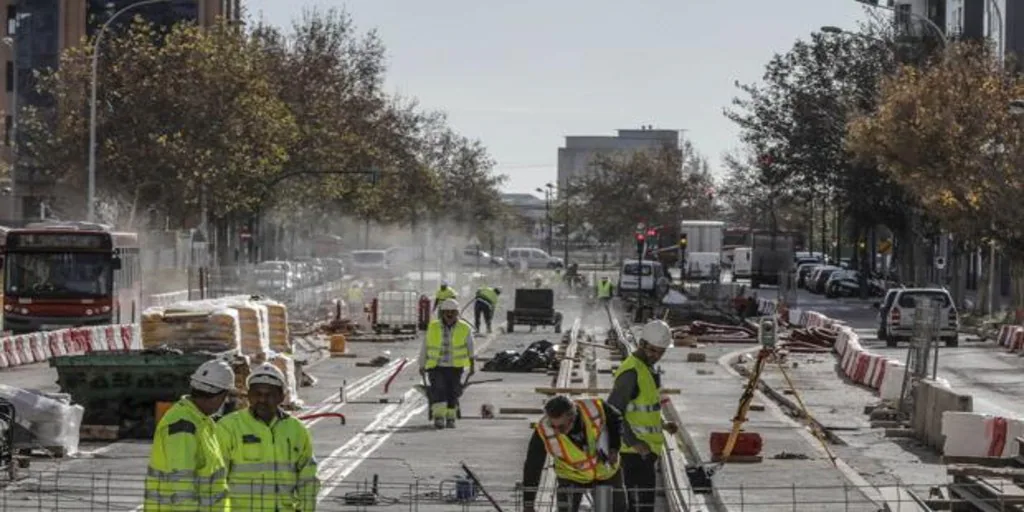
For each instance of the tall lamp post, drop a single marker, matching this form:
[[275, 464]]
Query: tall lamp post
[[13, 135], [548, 191], [91, 195]]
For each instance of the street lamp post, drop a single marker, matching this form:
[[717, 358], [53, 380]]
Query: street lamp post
[[91, 194], [548, 192], [9, 42]]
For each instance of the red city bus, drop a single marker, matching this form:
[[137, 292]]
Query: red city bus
[[60, 275]]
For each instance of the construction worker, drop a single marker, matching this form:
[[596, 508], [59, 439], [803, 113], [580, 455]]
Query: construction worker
[[605, 289], [187, 468], [637, 392], [446, 353], [583, 438], [486, 303], [269, 453], [443, 293]]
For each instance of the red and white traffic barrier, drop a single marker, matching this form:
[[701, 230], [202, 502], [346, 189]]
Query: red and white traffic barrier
[[41, 346], [973, 434]]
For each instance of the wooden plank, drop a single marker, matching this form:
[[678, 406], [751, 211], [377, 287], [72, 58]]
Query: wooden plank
[[520, 410], [989, 471], [992, 462]]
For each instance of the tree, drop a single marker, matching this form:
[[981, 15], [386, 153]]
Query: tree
[[656, 187], [947, 134], [796, 119], [183, 115]]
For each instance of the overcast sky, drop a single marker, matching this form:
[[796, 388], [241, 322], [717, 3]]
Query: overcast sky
[[521, 75]]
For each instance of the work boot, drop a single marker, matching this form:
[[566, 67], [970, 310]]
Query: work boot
[[439, 423], [452, 413], [449, 423]]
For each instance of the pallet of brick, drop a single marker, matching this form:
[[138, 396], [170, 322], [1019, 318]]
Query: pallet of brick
[[191, 328], [252, 323], [277, 320]]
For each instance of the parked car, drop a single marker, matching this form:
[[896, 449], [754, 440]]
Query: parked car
[[803, 271], [816, 283], [532, 257], [846, 283], [899, 318]]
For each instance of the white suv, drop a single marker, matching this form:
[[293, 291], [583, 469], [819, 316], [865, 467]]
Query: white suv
[[899, 318]]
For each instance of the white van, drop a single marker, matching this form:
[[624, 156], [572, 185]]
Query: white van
[[649, 276], [742, 267], [369, 260], [534, 258]]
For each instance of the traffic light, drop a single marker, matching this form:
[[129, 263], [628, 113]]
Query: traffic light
[[682, 241], [640, 246]]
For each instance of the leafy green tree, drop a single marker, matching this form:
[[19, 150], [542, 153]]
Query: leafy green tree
[[185, 118]]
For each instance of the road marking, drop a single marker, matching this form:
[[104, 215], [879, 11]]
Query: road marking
[[349, 456]]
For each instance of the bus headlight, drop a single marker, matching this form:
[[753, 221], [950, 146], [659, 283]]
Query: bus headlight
[[105, 309], [24, 311], [88, 312]]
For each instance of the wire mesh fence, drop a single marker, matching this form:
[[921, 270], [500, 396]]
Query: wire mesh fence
[[94, 491]]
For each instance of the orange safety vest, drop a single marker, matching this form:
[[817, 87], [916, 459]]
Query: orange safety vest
[[571, 462]]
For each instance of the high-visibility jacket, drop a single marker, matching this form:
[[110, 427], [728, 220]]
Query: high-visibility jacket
[[270, 467], [457, 346], [186, 469], [604, 289], [580, 465], [643, 413], [488, 294], [444, 293]]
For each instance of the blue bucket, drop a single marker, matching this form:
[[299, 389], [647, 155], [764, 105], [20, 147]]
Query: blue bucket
[[464, 489]]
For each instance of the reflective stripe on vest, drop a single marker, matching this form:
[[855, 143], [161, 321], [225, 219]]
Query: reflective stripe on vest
[[571, 462], [643, 413], [459, 352]]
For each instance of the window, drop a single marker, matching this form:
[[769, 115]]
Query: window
[[911, 299], [10, 76], [12, 19]]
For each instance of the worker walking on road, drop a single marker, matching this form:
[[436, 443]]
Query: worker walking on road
[[583, 437], [445, 292], [271, 466], [605, 290], [446, 353], [187, 468], [637, 392], [486, 303]]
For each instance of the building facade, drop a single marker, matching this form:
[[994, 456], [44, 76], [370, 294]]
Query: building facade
[[580, 153], [36, 33], [1000, 21]]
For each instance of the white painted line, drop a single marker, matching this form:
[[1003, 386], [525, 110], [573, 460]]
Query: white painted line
[[343, 461]]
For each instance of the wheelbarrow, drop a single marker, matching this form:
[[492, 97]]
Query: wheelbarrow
[[424, 388]]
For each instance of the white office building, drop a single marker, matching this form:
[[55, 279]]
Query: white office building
[[582, 151]]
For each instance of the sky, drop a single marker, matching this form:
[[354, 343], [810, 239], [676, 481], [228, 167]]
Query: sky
[[521, 75]]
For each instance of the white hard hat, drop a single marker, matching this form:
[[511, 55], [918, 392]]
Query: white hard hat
[[449, 305], [657, 333], [214, 376], [267, 373]]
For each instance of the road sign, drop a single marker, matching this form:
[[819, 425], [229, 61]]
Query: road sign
[[940, 262]]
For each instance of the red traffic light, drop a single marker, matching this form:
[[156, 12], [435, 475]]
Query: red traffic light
[[651, 232], [639, 237]]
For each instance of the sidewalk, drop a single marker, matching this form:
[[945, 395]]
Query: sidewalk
[[839, 406], [785, 480]]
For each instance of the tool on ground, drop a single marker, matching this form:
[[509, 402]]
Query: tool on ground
[[480, 486], [700, 476], [363, 497]]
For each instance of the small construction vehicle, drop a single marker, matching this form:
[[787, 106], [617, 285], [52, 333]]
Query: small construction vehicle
[[533, 307]]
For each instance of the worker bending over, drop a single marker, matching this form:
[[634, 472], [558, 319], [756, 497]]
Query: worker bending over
[[187, 469], [271, 466], [485, 304], [637, 392], [583, 438], [447, 351]]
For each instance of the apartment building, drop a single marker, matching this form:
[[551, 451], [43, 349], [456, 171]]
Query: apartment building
[[35, 34]]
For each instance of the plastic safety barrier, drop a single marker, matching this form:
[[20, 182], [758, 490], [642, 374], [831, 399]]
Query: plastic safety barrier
[[17, 350]]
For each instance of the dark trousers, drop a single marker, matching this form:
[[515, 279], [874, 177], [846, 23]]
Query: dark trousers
[[483, 308], [445, 385], [569, 494], [641, 478]]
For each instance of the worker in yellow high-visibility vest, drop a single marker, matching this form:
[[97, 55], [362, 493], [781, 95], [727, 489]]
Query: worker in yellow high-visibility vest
[[583, 438], [443, 293], [637, 392], [187, 469], [446, 353], [486, 303], [270, 459]]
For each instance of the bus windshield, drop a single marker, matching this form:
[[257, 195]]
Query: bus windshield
[[58, 274]]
